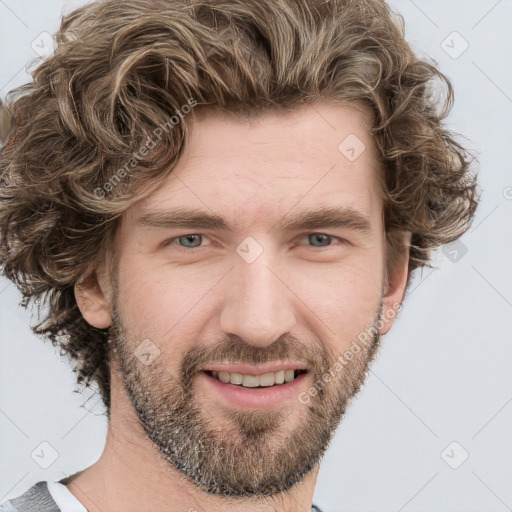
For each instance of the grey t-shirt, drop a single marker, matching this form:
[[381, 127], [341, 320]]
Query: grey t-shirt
[[36, 499], [39, 499]]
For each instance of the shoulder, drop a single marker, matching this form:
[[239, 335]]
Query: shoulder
[[6, 506], [35, 499]]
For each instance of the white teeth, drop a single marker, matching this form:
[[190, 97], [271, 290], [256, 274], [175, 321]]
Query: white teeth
[[254, 381], [251, 381], [224, 376], [236, 378], [267, 379], [289, 375]]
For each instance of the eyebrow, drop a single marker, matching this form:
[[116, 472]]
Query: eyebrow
[[326, 217]]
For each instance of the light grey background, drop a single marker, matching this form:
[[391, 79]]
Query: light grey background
[[444, 373]]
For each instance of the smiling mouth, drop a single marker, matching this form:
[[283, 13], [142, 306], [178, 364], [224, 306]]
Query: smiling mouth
[[263, 381]]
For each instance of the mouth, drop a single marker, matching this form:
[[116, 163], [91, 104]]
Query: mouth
[[254, 387], [261, 381]]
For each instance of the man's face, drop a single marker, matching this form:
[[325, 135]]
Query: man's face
[[256, 296]]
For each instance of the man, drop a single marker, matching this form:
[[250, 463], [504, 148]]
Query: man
[[222, 204]]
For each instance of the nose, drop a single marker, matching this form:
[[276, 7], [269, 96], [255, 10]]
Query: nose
[[259, 305]]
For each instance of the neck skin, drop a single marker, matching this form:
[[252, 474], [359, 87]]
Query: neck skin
[[131, 476]]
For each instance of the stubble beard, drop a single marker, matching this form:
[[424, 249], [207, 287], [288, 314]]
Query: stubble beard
[[240, 453]]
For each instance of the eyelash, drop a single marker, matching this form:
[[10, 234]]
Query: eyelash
[[170, 241]]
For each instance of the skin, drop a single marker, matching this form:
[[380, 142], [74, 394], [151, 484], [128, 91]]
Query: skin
[[254, 173]]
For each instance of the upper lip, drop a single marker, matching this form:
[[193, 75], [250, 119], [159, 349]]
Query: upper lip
[[251, 369]]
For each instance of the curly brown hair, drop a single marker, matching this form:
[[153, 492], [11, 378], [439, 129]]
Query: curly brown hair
[[121, 69]]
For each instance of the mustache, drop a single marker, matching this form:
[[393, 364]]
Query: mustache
[[233, 349]]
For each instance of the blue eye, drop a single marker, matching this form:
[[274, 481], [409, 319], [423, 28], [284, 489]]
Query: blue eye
[[193, 241], [187, 239], [320, 236], [322, 241]]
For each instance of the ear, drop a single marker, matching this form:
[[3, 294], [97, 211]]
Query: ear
[[93, 297], [397, 279]]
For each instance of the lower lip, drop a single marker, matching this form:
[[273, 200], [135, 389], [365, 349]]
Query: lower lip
[[261, 398]]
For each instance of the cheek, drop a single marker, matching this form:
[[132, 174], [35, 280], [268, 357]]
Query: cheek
[[344, 299], [162, 304]]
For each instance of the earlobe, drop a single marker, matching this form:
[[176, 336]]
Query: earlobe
[[396, 285], [92, 300]]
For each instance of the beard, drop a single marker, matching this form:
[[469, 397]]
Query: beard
[[239, 453]]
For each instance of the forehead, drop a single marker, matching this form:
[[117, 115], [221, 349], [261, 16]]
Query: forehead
[[258, 168]]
